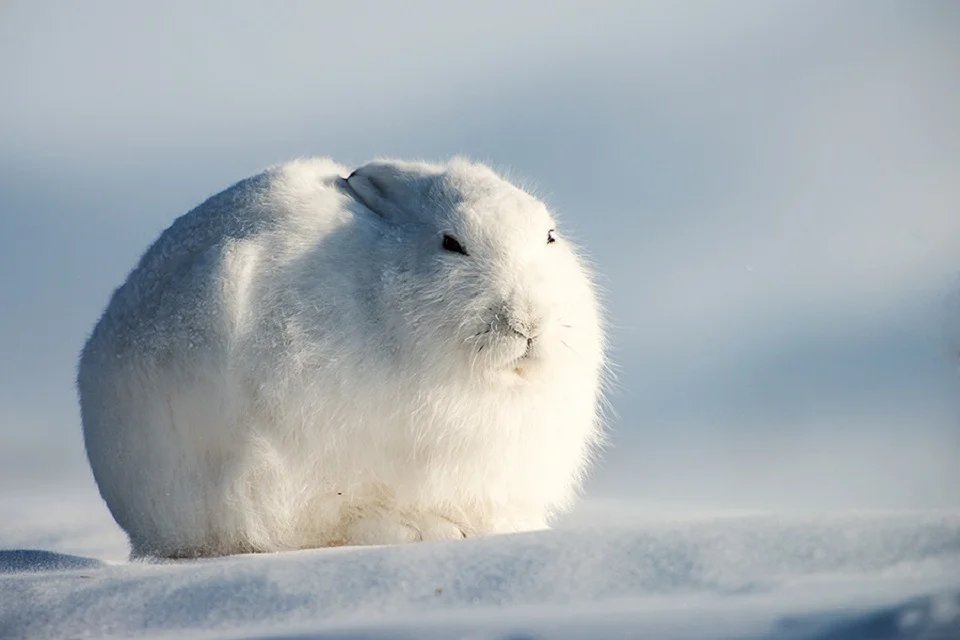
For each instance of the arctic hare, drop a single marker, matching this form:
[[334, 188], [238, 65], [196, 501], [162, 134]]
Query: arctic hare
[[316, 357]]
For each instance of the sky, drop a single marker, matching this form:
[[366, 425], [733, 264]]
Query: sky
[[769, 192]]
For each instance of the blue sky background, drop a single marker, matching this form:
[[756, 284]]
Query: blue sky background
[[769, 190]]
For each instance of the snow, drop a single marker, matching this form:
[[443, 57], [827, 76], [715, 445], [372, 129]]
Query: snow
[[614, 569]]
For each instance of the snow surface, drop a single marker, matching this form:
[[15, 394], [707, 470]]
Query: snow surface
[[613, 570]]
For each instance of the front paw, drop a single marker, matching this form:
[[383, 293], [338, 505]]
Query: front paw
[[383, 529], [433, 527], [380, 530]]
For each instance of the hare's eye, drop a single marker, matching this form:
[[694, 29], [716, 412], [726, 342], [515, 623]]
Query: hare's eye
[[451, 244], [550, 236]]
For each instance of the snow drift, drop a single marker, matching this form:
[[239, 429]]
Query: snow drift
[[722, 576]]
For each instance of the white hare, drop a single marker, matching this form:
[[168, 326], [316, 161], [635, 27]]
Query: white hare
[[412, 352]]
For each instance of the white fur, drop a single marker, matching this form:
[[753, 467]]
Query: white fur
[[297, 362]]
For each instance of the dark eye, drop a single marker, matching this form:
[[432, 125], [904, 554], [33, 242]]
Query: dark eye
[[550, 236], [451, 244]]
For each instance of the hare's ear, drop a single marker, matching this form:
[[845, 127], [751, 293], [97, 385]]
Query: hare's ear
[[394, 191]]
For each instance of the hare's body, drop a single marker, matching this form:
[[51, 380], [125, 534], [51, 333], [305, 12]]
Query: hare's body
[[299, 363]]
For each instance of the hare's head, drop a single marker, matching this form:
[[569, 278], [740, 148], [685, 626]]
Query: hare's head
[[479, 281]]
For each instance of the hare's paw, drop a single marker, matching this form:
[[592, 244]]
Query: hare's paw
[[379, 530], [433, 527], [400, 529]]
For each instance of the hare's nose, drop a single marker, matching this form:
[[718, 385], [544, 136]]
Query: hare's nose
[[529, 338], [524, 327], [522, 317]]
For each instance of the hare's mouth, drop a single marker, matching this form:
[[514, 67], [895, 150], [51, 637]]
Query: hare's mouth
[[521, 365], [509, 351]]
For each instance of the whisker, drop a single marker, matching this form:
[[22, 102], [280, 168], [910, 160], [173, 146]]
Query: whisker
[[477, 335]]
